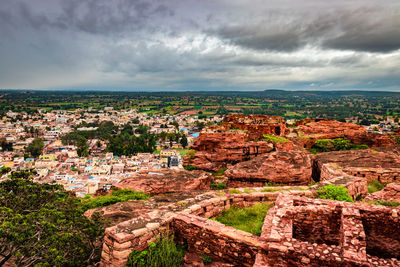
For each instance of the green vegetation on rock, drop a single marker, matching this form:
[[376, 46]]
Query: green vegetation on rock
[[334, 192], [115, 197], [44, 225], [385, 203], [218, 186], [250, 219], [189, 167], [275, 139], [375, 186], [161, 253], [337, 144]]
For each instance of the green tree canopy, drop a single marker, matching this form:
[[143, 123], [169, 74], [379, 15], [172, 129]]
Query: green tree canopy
[[43, 225], [35, 148]]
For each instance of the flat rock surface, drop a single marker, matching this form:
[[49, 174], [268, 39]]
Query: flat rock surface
[[166, 181], [380, 157], [287, 167]]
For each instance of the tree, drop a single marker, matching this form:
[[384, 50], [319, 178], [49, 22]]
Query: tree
[[35, 148], [184, 141], [44, 225], [6, 146]]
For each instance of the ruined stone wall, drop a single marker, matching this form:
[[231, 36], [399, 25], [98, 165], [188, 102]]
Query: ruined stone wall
[[135, 234], [364, 232], [382, 230], [331, 173], [209, 237], [383, 175], [318, 226], [264, 124]]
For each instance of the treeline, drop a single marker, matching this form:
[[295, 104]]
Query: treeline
[[126, 140]]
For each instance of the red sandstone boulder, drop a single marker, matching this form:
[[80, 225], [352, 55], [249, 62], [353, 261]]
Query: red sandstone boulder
[[166, 181], [215, 148], [391, 192], [379, 157], [284, 167], [329, 129], [257, 123]]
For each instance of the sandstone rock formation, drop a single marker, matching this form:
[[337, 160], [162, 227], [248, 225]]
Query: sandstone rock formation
[[391, 192], [217, 147], [381, 163], [286, 167], [166, 181], [328, 129], [257, 123]]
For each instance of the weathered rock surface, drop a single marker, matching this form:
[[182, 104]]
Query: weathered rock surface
[[166, 181], [124, 211], [381, 163], [391, 192], [215, 148], [257, 123], [379, 157], [286, 167], [329, 129]]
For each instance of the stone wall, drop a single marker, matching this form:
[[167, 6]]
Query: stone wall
[[361, 230], [383, 175], [209, 237], [331, 173], [135, 234], [263, 124]]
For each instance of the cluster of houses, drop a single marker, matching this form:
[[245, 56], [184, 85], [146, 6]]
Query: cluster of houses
[[84, 175]]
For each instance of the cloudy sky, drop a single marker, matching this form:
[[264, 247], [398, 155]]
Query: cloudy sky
[[200, 44]]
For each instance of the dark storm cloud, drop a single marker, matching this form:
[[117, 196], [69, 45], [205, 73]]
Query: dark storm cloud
[[92, 16], [372, 29], [191, 44]]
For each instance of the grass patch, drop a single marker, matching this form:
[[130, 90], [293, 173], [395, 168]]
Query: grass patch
[[234, 191], [163, 252], [275, 139], [219, 186], [116, 196], [375, 186], [248, 191], [182, 152], [189, 167], [206, 259], [220, 172], [250, 219], [385, 203], [337, 144], [191, 154], [270, 190]]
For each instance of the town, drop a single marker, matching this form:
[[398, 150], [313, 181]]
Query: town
[[58, 161]]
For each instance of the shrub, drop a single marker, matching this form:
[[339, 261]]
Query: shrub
[[163, 252], [275, 139], [115, 197], [250, 219], [191, 154], [270, 183], [337, 144], [386, 203], [219, 186], [206, 259], [220, 172], [375, 186], [334, 192], [189, 167]]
